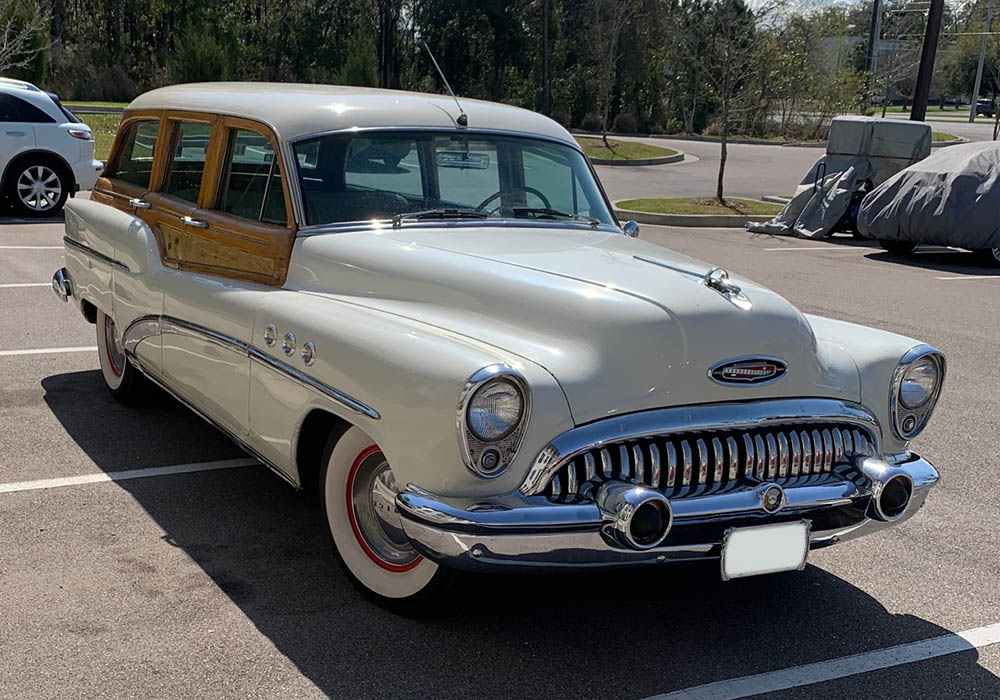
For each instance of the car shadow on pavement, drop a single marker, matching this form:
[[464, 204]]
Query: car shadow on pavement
[[621, 634], [951, 262]]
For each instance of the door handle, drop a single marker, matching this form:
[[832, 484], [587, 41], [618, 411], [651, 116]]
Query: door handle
[[188, 221], [139, 204], [15, 133]]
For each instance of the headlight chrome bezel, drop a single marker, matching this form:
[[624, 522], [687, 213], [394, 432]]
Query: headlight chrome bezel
[[473, 448], [915, 419]]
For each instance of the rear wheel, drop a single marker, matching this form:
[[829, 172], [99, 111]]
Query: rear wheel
[[124, 381], [37, 187], [359, 492], [897, 247], [990, 256]]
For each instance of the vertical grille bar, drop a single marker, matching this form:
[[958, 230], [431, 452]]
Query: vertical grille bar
[[772, 457], [702, 461], [734, 458], [796, 452], [848, 443], [606, 466], [686, 459], [654, 466], [556, 486], [625, 463], [838, 445], [758, 470], [817, 441], [639, 463], [571, 479], [827, 451], [807, 458], [748, 455], [717, 460], [671, 465], [782, 455], [589, 468]]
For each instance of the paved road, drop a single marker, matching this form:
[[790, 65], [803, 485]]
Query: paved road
[[221, 584]]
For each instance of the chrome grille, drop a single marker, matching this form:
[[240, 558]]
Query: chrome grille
[[690, 464]]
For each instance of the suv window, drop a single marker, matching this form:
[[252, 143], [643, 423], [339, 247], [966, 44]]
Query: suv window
[[135, 162], [14, 109], [251, 181], [187, 160]]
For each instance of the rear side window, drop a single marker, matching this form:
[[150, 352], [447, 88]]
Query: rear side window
[[251, 181], [135, 164], [187, 160], [14, 109]]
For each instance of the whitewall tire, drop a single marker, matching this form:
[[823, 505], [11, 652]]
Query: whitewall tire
[[125, 382], [358, 500]]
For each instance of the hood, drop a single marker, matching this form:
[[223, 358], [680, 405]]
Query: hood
[[618, 331]]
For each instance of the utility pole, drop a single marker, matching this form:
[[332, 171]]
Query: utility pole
[[874, 32], [982, 59], [923, 88], [545, 56]]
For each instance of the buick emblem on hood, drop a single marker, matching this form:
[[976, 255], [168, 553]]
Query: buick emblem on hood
[[748, 370]]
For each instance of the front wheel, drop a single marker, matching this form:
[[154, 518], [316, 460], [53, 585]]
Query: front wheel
[[124, 381], [359, 499], [897, 247], [990, 256]]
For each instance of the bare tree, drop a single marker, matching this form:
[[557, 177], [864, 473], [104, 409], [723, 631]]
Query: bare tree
[[608, 19], [22, 36]]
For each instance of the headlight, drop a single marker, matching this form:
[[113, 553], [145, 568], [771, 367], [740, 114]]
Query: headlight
[[916, 386], [495, 410], [919, 382], [492, 415]]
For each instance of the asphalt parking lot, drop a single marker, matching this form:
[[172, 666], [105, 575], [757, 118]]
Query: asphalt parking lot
[[218, 581]]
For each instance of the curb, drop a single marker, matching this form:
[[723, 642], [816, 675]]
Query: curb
[[689, 137], [775, 199], [94, 109], [692, 220], [665, 160]]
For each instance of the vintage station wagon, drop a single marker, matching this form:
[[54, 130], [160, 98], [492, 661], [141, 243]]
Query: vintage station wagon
[[427, 311]]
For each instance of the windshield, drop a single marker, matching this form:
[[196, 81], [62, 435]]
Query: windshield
[[371, 175]]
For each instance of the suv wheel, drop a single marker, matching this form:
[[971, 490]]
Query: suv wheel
[[990, 256], [37, 187]]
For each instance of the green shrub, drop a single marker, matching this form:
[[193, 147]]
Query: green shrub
[[625, 123], [199, 56]]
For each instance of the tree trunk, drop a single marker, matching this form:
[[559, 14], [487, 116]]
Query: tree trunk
[[723, 154]]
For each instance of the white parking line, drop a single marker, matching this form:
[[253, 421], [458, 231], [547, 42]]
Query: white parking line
[[843, 667], [31, 247], [15, 285], [38, 484], [837, 248], [971, 277], [46, 351]]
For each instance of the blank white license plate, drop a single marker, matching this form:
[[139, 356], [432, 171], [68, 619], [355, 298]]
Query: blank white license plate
[[764, 549]]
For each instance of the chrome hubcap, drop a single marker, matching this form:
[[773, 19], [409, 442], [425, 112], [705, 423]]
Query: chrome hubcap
[[116, 352], [39, 188], [373, 499], [995, 252]]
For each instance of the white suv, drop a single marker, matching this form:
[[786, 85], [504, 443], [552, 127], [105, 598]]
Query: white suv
[[46, 153]]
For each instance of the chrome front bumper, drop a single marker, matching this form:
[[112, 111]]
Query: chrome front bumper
[[517, 532]]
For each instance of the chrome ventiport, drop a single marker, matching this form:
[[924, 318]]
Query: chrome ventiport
[[60, 284], [892, 488], [634, 516]]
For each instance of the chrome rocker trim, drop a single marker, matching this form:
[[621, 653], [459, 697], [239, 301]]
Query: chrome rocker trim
[[149, 326], [96, 254], [529, 533]]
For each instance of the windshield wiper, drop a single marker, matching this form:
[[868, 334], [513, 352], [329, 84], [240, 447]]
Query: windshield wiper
[[437, 214], [546, 211]]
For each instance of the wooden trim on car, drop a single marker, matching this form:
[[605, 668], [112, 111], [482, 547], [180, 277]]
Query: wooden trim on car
[[114, 192]]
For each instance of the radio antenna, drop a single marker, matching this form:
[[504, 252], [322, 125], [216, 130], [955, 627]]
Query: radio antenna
[[462, 120]]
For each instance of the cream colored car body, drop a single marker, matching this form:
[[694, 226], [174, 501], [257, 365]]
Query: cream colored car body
[[598, 324]]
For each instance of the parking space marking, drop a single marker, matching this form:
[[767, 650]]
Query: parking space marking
[[845, 666], [38, 484], [839, 249], [17, 285], [31, 247], [46, 351], [970, 277]]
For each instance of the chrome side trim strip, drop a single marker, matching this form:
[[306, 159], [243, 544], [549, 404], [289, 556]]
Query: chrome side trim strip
[[748, 415], [147, 326], [100, 256]]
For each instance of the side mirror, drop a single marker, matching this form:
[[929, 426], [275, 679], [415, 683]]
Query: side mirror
[[631, 229]]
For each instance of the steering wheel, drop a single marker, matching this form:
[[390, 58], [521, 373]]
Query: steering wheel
[[522, 188]]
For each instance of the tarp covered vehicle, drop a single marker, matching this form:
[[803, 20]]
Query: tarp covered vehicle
[[861, 153], [951, 198]]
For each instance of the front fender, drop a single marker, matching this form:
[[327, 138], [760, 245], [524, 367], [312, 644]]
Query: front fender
[[410, 373], [876, 354]]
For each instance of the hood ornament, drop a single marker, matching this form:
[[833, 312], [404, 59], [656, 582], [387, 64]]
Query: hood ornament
[[748, 370], [718, 279]]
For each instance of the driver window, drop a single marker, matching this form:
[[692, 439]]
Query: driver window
[[547, 169]]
